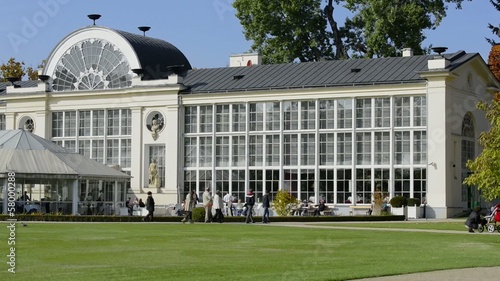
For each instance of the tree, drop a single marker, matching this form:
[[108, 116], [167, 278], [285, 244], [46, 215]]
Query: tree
[[285, 31], [284, 203], [494, 29], [16, 69], [485, 168]]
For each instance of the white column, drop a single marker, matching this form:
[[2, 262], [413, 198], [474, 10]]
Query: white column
[[75, 199], [137, 153]]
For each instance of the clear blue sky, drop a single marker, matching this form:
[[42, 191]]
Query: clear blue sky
[[206, 31]]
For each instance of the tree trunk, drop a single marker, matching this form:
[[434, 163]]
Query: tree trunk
[[339, 46]]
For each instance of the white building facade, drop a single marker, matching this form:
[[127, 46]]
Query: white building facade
[[337, 130]]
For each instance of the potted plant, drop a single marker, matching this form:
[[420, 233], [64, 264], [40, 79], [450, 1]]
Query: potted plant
[[398, 205], [414, 210]]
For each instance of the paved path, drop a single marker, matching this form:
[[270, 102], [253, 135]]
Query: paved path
[[464, 274]]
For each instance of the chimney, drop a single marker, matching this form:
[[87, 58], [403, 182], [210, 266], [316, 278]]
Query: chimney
[[407, 52], [439, 61], [247, 59]]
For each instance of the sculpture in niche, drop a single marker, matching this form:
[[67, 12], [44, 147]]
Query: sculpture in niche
[[154, 178], [29, 126], [155, 129]]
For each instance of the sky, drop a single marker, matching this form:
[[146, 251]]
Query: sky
[[206, 31]]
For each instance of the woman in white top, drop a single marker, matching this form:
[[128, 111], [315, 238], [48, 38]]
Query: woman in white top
[[218, 204]]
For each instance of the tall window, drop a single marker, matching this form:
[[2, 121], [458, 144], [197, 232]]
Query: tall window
[[307, 149], [419, 111], [238, 151], [419, 183], [326, 185], [419, 147], [307, 187], [468, 145], [326, 114], [291, 115], [272, 116], [222, 118], [255, 151], [402, 147], [382, 112], [57, 124], [402, 111], [206, 118], [308, 115], [239, 117], [344, 148], [190, 119], [190, 151], [363, 113], [402, 182], [344, 185], [222, 151], [363, 148], [2, 122], [344, 113], [291, 149], [272, 150], [382, 151], [256, 118], [70, 123], [327, 149], [205, 152]]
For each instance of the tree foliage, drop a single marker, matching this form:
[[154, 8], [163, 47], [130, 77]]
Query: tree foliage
[[285, 31], [494, 29], [284, 202], [486, 167], [276, 27], [16, 69]]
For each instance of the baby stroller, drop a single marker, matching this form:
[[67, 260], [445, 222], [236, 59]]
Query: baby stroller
[[490, 221]]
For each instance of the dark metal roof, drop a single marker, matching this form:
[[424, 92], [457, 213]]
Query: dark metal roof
[[23, 84], [393, 70], [155, 55]]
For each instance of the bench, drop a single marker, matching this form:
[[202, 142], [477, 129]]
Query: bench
[[354, 208]]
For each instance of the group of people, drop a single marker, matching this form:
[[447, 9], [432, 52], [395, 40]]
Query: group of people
[[133, 204], [217, 203]]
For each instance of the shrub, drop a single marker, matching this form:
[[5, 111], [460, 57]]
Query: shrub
[[284, 203], [413, 201], [399, 201], [199, 214]]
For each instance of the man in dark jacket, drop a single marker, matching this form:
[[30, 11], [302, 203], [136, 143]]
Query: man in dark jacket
[[474, 219], [265, 204], [150, 206], [250, 201]]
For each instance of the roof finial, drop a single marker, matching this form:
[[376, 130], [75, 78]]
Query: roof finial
[[94, 17], [144, 29]]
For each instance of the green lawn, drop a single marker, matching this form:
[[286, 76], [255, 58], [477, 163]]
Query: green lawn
[[171, 251]]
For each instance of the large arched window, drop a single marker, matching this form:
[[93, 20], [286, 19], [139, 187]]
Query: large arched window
[[90, 65], [468, 150]]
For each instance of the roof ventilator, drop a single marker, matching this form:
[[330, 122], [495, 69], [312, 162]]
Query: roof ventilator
[[238, 77]]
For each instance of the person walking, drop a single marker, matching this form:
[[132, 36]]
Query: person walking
[[150, 206], [228, 204], [218, 204], [207, 204], [189, 204], [265, 204], [250, 201]]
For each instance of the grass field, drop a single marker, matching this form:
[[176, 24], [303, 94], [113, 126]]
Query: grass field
[[171, 251]]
